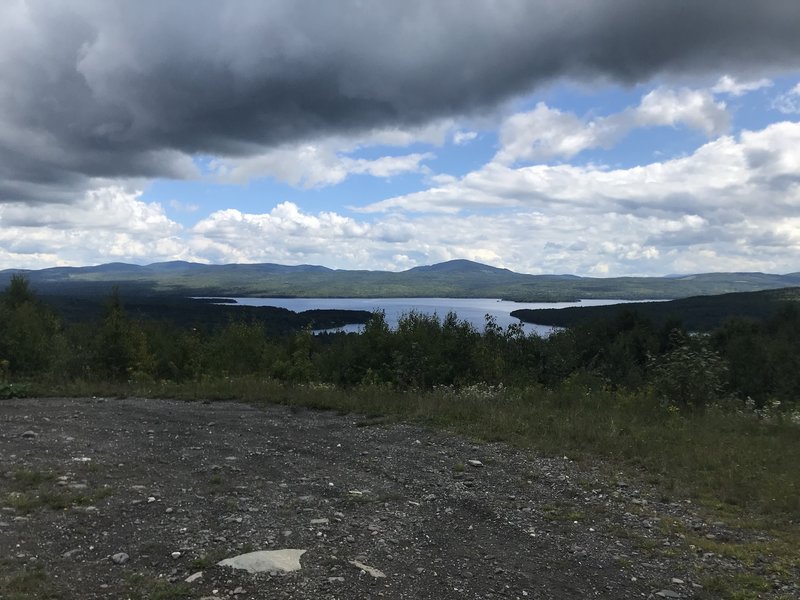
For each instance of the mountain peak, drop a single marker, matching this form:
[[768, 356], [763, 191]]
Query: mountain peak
[[459, 265]]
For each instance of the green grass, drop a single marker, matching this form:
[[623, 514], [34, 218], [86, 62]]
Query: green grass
[[32, 490], [28, 584], [142, 587]]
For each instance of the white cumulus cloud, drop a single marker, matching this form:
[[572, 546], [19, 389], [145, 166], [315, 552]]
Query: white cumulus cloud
[[730, 85], [789, 102], [546, 132]]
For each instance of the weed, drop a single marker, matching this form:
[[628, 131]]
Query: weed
[[29, 584], [142, 587], [736, 586]]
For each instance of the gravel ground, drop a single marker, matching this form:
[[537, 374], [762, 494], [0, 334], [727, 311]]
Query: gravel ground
[[127, 498]]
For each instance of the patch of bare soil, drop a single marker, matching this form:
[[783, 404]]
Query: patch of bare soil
[[129, 498]]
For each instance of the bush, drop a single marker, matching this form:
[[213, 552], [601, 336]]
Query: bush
[[691, 375]]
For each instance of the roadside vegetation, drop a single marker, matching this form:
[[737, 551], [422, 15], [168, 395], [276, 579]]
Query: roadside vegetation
[[713, 417]]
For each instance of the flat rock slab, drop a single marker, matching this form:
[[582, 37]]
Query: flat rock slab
[[266, 561]]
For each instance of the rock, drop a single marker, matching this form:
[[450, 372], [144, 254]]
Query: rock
[[668, 594], [29, 435], [120, 558], [194, 577], [265, 561], [366, 568], [474, 463], [336, 579], [71, 553], [175, 554], [319, 521]]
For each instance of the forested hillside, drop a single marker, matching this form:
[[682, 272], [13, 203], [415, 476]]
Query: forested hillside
[[453, 279], [742, 358]]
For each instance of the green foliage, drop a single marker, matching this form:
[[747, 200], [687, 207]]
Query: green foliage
[[30, 334], [745, 362], [120, 346], [691, 375]]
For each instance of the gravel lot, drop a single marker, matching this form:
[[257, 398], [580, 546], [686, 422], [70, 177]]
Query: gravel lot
[[127, 498]]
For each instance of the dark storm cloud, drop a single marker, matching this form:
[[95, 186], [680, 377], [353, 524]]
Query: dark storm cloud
[[97, 89]]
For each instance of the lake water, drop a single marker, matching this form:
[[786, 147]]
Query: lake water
[[473, 310]]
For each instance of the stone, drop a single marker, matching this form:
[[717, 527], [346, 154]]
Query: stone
[[668, 594], [367, 569], [474, 463], [175, 554], [120, 558], [29, 435], [319, 521], [266, 560], [194, 577]]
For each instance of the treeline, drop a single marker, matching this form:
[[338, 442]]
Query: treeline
[[744, 360]]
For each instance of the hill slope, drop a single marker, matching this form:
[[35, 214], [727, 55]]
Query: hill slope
[[698, 313], [458, 278]]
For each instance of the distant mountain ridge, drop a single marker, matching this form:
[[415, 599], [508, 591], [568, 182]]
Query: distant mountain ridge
[[455, 278]]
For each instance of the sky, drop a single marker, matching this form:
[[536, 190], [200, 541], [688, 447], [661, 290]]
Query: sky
[[600, 139]]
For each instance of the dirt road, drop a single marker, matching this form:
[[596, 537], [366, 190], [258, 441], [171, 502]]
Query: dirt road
[[129, 498]]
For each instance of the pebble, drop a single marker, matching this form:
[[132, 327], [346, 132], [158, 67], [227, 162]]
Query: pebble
[[29, 435], [175, 554], [120, 558], [668, 594], [474, 463]]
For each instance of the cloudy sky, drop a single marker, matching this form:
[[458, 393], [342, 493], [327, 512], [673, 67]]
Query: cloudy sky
[[546, 136]]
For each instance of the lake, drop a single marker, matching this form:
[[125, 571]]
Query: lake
[[473, 310]]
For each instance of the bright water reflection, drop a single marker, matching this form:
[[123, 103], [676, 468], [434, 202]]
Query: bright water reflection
[[473, 310]]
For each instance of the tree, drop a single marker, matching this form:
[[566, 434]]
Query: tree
[[120, 344], [30, 334]]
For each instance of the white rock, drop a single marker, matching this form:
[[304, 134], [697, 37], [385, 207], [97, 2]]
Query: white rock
[[371, 570], [266, 560], [175, 554], [194, 577], [120, 558], [474, 463]]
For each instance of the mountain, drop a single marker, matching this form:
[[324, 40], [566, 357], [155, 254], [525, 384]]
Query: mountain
[[698, 313], [455, 278], [460, 266]]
